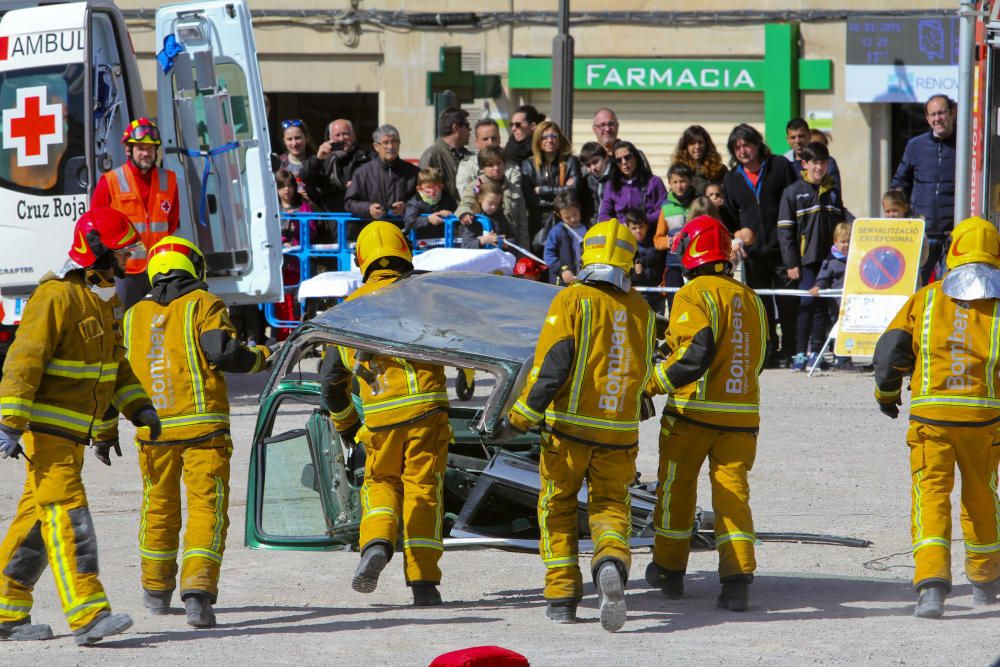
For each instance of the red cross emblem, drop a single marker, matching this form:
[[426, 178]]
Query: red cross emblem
[[32, 126]]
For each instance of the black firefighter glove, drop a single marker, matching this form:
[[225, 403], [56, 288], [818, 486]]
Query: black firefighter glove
[[102, 450], [891, 408], [647, 410], [148, 417], [348, 435]]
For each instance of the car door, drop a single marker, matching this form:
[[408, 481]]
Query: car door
[[300, 494], [214, 129]]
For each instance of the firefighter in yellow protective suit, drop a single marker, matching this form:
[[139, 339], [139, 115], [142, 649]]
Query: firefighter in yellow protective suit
[[180, 343], [585, 388], [64, 381], [406, 433], [717, 341], [947, 337]]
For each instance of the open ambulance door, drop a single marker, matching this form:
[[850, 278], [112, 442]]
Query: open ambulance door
[[68, 87], [214, 130]]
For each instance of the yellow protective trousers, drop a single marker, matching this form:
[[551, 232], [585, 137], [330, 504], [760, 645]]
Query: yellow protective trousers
[[934, 452], [683, 449], [52, 520], [564, 465], [204, 467], [404, 477]]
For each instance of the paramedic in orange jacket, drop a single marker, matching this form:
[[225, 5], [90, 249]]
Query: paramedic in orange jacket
[[717, 339], [147, 195], [405, 433], [946, 337], [593, 359]]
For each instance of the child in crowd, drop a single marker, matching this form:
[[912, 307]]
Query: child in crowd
[[429, 206], [810, 209], [564, 243], [715, 194], [489, 204], [291, 201], [673, 216], [493, 168], [896, 205], [647, 270], [597, 174], [831, 276]]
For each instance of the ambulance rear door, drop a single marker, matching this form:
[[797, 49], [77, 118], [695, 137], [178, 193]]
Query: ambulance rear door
[[68, 84], [214, 129]]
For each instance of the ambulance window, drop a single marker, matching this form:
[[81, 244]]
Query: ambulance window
[[231, 79], [42, 131]]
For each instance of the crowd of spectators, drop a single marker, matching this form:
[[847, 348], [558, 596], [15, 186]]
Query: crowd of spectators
[[786, 212]]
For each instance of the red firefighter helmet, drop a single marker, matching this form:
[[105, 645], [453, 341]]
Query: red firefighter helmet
[[528, 268], [703, 240], [98, 231]]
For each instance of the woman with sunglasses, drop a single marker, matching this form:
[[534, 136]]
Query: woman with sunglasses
[[632, 185], [298, 149], [550, 171], [696, 150]]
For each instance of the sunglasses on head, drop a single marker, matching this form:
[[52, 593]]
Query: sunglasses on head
[[285, 124]]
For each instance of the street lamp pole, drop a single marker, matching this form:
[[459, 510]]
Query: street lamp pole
[[562, 73]]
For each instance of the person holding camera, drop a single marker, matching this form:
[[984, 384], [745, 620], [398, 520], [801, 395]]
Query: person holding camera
[[332, 169]]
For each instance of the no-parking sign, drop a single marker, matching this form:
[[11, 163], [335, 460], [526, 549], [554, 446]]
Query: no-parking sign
[[883, 270]]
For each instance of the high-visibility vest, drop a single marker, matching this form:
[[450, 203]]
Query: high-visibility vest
[[151, 218]]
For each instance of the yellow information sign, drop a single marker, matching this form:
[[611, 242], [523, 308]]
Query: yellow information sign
[[883, 270]]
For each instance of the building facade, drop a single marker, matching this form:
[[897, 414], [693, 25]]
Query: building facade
[[663, 67]]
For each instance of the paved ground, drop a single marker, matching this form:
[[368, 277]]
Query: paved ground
[[828, 462]]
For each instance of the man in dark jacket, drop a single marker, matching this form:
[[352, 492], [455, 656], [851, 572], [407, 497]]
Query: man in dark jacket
[[450, 148], [927, 174], [331, 170], [382, 186], [753, 196]]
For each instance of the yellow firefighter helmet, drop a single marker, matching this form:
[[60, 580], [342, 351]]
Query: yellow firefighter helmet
[[380, 240], [974, 240], [172, 253], [609, 242]]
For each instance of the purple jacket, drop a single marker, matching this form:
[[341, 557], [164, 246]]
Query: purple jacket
[[614, 203]]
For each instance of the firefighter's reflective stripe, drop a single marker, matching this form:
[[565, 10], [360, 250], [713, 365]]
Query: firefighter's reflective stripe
[[735, 536], [15, 407], [931, 542], [423, 543], [191, 347], [83, 605], [580, 363], [561, 561], [543, 522], [886, 394], [220, 515], [152, 554], [127, 328], [554, 418], [211, 555], [64, 570], [14, 609], [713, 316], [660, 527], [524, 409], [991, 359], [711, 406], [925, 342], [127, 394], [403, 401], [993, 547], [80, 370], [102, 427], [343, 414], [610, 535], [660, 373], [955, 401], [411, 375], [77, 422], [187, 420]]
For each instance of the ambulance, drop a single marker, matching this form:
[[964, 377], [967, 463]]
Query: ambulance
[[69, 86]]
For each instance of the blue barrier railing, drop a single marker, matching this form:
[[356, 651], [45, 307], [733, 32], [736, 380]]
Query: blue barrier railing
[[347, 226]]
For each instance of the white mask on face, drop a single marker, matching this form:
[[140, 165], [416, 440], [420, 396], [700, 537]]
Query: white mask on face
[[103, 293]]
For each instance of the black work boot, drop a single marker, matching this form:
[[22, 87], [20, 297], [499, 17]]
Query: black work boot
[[671, 582], [611, 596], [105, 625], [199, 611], [373, 561], [157, 602], [930, 604], [561, 612], [735, 595], [24, 630], [425, 594], [985, 593]]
